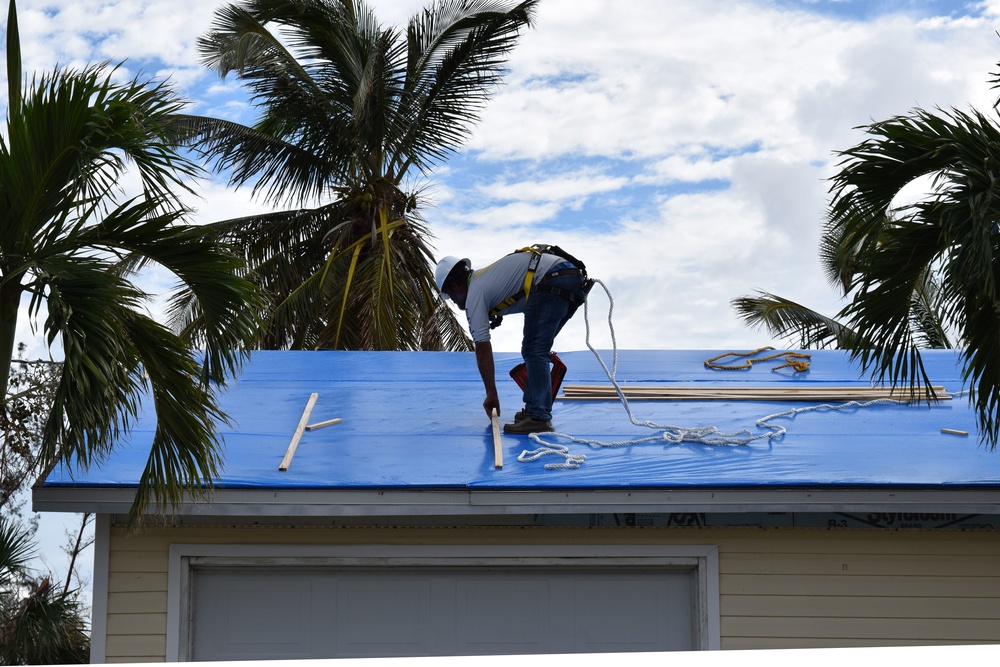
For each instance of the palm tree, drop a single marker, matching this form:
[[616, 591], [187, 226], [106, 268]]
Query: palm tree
[[915, 275], [349, 112], [39, 623], [69, 244], [884, 254]]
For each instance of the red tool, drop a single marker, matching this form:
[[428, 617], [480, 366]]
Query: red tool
[[520, 374]]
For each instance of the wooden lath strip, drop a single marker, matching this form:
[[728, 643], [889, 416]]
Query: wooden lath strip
[[293, 445], [606, 392], [497, 440]]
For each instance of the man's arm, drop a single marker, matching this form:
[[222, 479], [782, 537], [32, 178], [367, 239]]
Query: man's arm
[[484, 361]]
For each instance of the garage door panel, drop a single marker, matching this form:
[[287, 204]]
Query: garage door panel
[[508, 628], [303, 612], [635, 613], [491, 617], [243, 617], [247, 625], [366, 607]]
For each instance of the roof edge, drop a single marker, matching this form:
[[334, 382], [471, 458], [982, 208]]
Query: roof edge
[[464, 502]]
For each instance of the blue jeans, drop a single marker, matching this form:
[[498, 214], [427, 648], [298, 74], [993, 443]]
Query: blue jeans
[[544, 317]]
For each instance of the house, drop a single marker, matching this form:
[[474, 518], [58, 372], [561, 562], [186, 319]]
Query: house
[[844, 523]]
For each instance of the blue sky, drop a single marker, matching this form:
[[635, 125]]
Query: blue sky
[[864, 10], [680, 147]]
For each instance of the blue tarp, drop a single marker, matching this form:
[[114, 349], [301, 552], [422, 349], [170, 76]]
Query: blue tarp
[[414, 420]]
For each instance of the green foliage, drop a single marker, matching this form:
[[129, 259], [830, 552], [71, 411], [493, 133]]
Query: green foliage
[[884, 254], [22, 417], [784, 318], [70, 242], [349, 109], [39, 624], [915, 275]]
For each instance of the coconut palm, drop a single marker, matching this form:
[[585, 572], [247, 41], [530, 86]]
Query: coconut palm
[[69, 244], [351, 112]]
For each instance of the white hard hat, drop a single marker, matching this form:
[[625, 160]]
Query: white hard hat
[[444, 267]]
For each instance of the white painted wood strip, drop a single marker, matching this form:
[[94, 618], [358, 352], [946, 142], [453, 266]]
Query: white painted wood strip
[[294, 444], [497, 441], [603, 392], [328, 422]]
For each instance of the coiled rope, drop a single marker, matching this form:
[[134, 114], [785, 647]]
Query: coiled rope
[[670, 434], [794, 360]]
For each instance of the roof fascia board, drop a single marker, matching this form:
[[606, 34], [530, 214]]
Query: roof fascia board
[[381, 503]]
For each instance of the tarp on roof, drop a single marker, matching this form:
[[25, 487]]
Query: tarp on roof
[[414, 420]]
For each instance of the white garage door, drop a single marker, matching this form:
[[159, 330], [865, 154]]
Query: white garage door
[[245, 613]]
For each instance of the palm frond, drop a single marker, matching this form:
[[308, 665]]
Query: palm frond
[[16, 551], [13, 61], [457, 55], [96, 399], [786, 319], [285, 172], [186, 454]]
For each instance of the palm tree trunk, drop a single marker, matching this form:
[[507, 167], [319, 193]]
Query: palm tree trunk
[[10, 301]]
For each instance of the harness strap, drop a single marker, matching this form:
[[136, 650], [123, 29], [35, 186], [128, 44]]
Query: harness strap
[[529, 278], [529, 275], [575, 299], [572, 297]]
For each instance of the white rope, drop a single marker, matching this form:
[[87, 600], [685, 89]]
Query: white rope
[[674, 435]]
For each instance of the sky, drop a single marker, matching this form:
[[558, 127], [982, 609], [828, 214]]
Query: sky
[[681, 148]]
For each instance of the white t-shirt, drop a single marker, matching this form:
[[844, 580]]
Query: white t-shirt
[[501, 279]]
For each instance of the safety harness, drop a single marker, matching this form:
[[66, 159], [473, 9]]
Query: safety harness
[[537, 250]]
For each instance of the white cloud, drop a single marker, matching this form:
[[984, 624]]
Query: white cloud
[[615, 114], [583, 183], [689, 91]]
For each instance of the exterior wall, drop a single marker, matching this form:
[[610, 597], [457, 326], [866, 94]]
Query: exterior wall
[[780, 588]]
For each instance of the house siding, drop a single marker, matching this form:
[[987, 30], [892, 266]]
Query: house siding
[[779, 588]]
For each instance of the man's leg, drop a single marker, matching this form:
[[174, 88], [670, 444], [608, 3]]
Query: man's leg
[[544, 317]]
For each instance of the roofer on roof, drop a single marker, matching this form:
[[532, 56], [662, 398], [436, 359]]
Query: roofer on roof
[[547, 288]]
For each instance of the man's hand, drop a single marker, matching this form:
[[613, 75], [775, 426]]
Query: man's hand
[[484, 361], [492, 403]]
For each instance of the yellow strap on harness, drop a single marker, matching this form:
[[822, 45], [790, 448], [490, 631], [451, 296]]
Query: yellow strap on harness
[[529, 276], [529, 279]]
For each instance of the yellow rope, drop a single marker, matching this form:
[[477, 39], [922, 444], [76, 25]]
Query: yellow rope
[[796, 360]]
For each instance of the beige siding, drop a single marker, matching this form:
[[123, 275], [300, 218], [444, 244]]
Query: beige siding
[[780, 588], [860, 588]]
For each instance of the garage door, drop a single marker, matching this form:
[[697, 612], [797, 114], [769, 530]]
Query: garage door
[[246, 613]]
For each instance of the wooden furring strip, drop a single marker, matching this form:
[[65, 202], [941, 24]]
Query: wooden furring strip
[[777, 393], [328, 422], [497, 440], [293, 445]]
